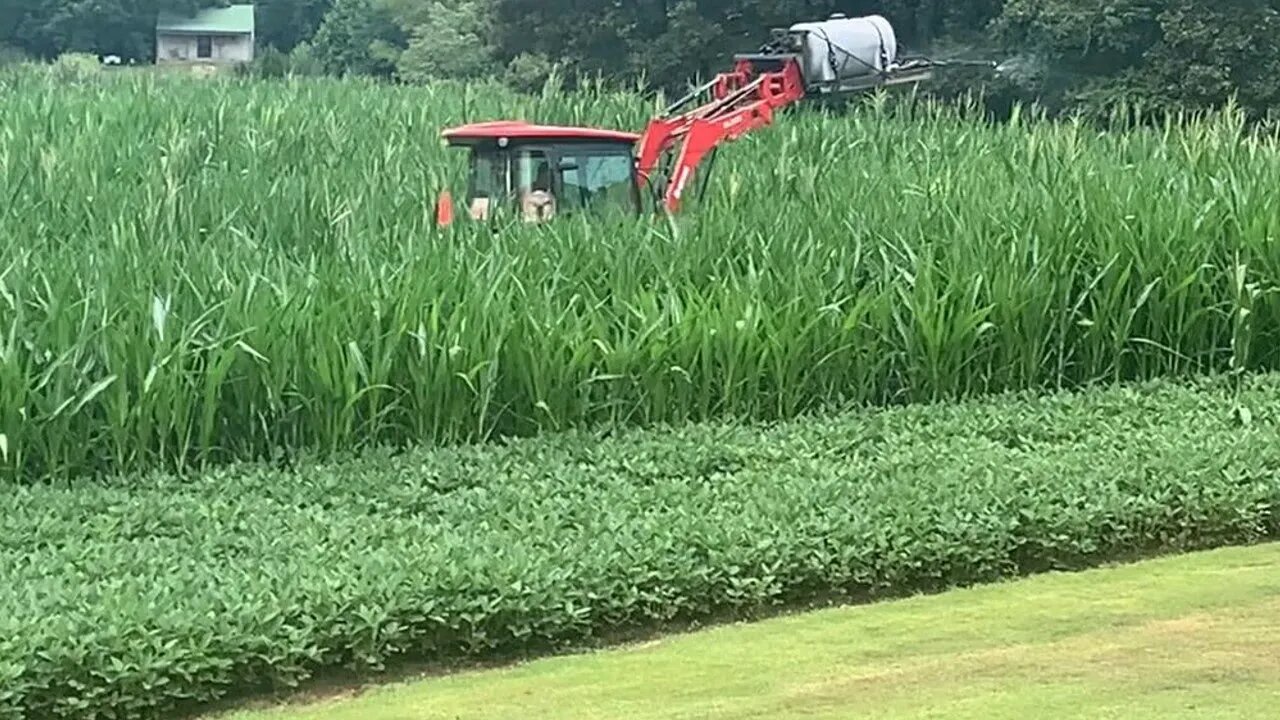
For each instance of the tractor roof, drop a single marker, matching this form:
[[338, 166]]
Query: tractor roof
[[515, 129]]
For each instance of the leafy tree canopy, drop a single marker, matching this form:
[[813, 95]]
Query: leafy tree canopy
[[1068, 53]]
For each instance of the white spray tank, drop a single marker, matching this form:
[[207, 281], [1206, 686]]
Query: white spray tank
[[843, 48]]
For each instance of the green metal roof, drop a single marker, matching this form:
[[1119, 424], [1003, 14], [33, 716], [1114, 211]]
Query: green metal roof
[[233, 19]]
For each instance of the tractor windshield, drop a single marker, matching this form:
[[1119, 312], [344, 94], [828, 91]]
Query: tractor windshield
[[545, 179], [596, 180]]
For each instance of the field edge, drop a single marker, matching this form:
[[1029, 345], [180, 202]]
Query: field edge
[[1237, 557]]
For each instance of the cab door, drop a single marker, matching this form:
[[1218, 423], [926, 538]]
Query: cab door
[[535, 183]]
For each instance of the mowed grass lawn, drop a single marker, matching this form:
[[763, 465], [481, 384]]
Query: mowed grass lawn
[[1195, 636]]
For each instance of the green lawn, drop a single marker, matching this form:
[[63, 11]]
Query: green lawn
[[1196, 636]]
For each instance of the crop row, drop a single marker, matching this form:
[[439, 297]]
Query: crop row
[[126, 599], [242, 270]]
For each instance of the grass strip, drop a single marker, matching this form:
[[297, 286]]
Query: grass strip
[[1191, 637]]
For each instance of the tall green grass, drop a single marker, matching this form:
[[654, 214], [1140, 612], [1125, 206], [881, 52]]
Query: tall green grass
[[200, 271]]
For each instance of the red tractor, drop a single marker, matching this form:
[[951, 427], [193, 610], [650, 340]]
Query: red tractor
[[540, 171]]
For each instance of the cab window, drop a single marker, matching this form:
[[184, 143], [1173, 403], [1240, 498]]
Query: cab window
[[487, 174], [533, 171], [592, 179]]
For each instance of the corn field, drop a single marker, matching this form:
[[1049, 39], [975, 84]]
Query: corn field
[[198, 272]]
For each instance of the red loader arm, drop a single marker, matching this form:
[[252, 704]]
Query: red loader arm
[[742, 101]]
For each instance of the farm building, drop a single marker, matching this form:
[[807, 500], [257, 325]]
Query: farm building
[[213, 36]]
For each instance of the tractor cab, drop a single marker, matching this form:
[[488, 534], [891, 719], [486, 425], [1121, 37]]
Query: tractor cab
[[538, 172]]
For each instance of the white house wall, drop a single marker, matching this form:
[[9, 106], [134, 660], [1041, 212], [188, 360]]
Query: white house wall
[[182, 48]]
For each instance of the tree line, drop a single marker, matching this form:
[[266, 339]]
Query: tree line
[[1067, 53]]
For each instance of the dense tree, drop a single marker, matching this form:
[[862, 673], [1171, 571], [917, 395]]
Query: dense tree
[[1070, 53], [360, 37], [447, 40], [1172, 53], [1209, 52], [283, 24]]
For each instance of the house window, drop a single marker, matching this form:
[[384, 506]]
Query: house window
[[204, 46]]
